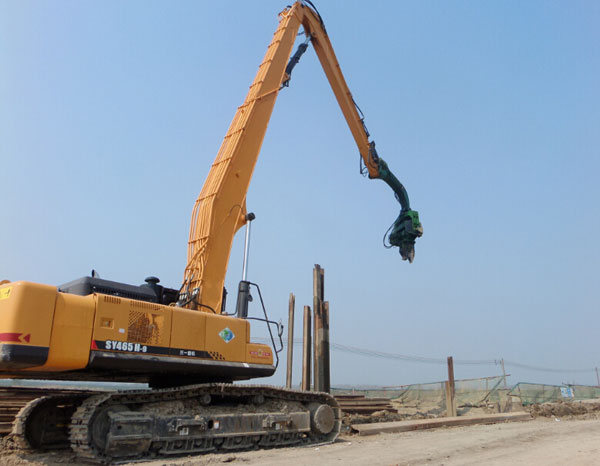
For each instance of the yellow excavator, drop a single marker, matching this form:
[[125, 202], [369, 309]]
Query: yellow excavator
[[181, 341]]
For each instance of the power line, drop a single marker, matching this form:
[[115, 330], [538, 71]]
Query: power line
[[546, 369], [382, 354], [404, 357], [427, 360]]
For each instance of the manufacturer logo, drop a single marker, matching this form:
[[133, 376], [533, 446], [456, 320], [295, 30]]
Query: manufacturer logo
[[227, 335]]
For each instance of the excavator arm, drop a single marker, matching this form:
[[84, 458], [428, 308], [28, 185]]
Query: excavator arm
[[407, 227], [220, 209]]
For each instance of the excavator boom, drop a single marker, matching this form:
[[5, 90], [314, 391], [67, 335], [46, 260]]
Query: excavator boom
[[220, 209]]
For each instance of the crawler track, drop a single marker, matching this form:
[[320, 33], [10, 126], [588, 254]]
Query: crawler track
[[136, 425], [44, 423], [197, 419]]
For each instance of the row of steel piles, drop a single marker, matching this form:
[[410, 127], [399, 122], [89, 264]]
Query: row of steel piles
[[315, 338]]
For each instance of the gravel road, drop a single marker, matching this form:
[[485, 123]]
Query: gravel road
[[543, 441]]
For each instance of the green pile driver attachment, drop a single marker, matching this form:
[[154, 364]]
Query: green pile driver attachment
[[407, 227]]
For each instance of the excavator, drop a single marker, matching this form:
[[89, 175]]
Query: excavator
[[182, 342]]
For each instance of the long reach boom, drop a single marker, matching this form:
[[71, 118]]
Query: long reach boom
[[220, 209]]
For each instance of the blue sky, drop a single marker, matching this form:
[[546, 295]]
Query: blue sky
[[112, 112]]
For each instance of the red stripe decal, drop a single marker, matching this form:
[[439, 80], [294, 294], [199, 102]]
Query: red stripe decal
[[94, 345], [10, 337]]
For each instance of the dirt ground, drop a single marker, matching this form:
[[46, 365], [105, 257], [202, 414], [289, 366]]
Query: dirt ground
[[560, 434]]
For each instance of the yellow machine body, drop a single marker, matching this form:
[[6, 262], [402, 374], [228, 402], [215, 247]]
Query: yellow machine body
[[44, 332]]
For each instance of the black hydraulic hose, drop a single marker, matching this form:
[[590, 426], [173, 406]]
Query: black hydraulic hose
[[312, 5], [399, 190]]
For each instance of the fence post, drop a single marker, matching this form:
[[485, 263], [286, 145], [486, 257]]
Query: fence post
[[306, 347], [450, 390], [290, 348], [503, 371]]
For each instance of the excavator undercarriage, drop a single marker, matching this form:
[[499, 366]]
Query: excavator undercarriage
[[134, 425]]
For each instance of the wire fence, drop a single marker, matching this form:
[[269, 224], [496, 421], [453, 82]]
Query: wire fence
[[429, 399], [473, 396], [535, 393]]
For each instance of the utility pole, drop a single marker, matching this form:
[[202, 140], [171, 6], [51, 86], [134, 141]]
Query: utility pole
[[503, 371], [597, 377]]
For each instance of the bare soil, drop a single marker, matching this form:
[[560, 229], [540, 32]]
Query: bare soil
[[561, 433], [589, 409]]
